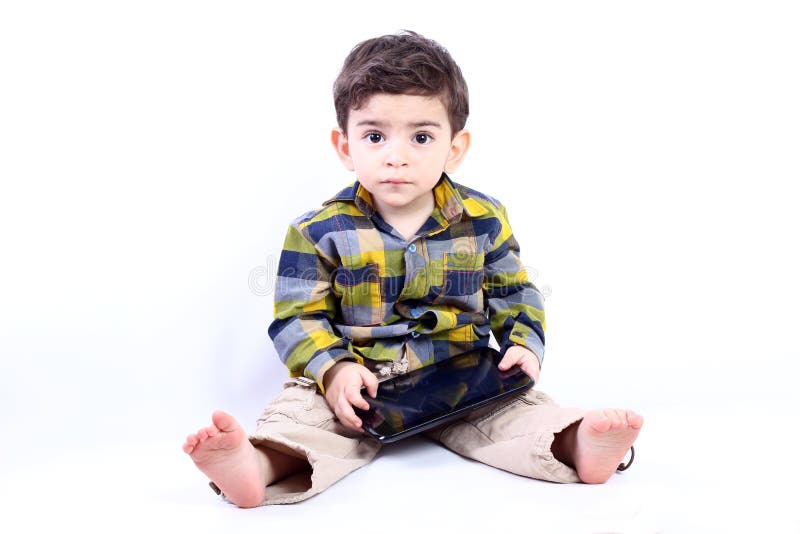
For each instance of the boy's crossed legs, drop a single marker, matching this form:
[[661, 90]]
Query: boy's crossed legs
[[594, 445]]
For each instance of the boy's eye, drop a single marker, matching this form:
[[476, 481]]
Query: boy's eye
[[374, 137], [423, 139]]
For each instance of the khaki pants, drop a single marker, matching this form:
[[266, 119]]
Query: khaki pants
[[513, 435]]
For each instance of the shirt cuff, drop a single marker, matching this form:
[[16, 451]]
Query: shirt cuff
[[527, 335], [322, 363]]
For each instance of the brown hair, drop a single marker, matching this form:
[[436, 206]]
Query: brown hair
[[402, 64]]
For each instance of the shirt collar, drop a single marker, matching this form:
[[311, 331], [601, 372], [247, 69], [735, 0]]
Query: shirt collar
[[450, 201]]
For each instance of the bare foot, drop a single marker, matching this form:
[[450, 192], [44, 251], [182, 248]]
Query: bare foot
[[597, 445], [223, 452]]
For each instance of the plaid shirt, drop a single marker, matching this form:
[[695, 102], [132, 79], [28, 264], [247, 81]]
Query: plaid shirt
[[350, 287]]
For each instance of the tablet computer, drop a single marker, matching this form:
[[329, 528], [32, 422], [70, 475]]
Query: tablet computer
[[425, 398]]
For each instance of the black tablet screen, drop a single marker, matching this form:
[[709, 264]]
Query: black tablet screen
[[436, 391]]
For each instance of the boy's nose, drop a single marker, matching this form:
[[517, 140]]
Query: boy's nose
[[395, 155]]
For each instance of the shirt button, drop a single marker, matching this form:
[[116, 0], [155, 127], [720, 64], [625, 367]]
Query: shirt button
[[412, 248], [415, 313]]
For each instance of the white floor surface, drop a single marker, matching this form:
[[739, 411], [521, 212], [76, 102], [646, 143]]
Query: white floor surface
[[696, 470]]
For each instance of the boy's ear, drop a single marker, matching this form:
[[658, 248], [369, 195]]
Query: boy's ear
[[458, 149], [342, 147]]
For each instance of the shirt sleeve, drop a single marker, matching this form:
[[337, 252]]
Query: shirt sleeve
[[516, 308], [305, 305]]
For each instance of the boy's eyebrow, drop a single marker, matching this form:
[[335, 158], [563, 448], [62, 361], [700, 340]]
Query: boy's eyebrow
[[383, 124], [423, 124]]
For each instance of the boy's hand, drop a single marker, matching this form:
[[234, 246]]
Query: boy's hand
[[524, 357], [343, 384]]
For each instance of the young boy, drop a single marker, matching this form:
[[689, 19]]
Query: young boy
[[400, 270]]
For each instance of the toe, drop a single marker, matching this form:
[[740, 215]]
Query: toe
[[613, 419], [187, 448], [202, 434], [620, 420], [224, 421], [599, 421], [635, 420]]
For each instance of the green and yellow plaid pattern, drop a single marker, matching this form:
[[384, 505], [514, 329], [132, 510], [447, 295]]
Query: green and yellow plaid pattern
[[350, 287]]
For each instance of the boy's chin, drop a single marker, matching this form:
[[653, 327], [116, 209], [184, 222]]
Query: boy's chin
[[393, 205], [399, 200]]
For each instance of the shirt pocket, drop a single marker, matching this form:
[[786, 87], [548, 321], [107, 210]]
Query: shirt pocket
[[361, 294], [462, 281]]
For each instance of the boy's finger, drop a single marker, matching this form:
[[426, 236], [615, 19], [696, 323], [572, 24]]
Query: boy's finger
[[353, 395], [371, 382], [530, 368], [347, 415], [507, 362]]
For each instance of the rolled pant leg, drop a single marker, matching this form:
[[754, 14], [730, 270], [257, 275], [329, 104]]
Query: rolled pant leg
[[299, 423], [515, 436]]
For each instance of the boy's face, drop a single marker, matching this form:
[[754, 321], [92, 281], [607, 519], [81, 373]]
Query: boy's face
[[398, 146]]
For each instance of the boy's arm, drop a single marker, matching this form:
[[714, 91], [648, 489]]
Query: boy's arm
[[516, 310], [304, 308]]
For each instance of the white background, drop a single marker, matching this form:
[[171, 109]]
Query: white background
[[153, 153]]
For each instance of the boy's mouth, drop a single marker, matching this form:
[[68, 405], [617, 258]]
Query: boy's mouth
[[395, 181]]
